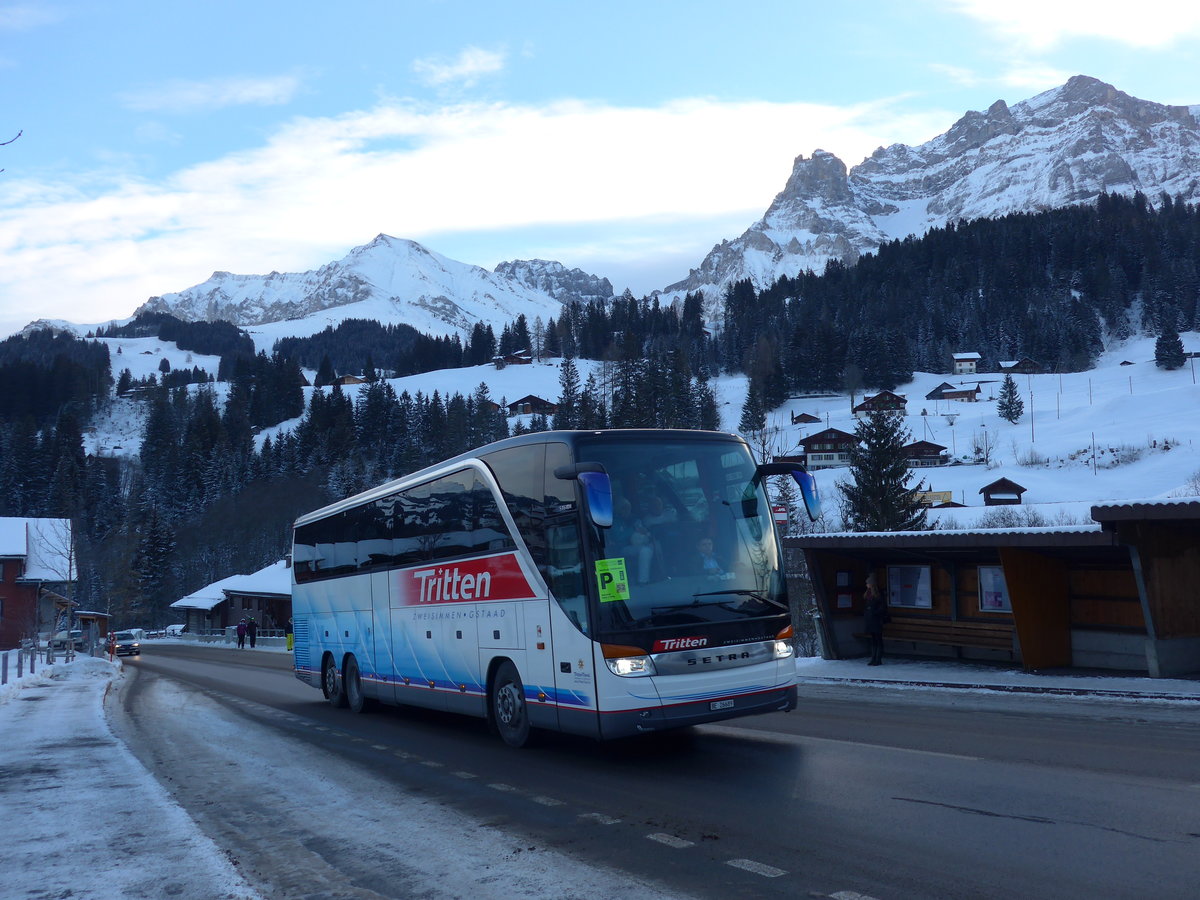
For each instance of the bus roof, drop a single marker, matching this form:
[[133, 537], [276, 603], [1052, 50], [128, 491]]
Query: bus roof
[[537, 437]]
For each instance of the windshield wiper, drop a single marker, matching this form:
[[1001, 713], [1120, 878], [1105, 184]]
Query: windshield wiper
[[741, 592]]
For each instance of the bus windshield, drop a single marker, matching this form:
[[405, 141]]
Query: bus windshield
[[692, 539]]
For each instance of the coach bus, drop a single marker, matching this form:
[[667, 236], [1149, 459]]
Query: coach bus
[[603, 583]]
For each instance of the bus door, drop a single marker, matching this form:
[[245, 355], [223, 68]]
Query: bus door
[[571, 652], [380, 670]]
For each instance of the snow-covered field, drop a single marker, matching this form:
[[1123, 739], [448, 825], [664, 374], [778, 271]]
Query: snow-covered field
[[1124, 430]]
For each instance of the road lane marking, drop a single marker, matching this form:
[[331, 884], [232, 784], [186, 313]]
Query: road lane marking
[[546, 801], [600, 818], [757, 868], [465, 775], [433, 764], [506, 788], [671, 841]]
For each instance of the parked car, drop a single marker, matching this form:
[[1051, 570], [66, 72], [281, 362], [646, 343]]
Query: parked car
[[128, 644], [63, 639], [176, 630]]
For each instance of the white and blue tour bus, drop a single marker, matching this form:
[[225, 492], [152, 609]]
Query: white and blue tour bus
[[602, 583]]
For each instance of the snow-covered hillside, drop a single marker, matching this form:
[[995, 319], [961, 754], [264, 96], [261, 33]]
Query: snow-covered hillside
[[1141, 418]]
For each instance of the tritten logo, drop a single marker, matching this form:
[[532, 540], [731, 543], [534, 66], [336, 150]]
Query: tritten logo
[[684, 643], [497, 577]]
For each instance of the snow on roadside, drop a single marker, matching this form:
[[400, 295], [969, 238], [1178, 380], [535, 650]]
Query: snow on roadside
[[83, 817]]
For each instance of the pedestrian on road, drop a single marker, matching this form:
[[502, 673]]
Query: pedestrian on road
[[875, 614], [241, 633], [252, 632]]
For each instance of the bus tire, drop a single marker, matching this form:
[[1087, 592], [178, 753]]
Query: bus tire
[[509, 712], [333, 687], [352, 686]]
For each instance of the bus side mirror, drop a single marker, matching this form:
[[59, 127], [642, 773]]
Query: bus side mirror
[[597, 490], [804, 480]]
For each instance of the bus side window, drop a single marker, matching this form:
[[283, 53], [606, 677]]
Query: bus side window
[[564, 571]]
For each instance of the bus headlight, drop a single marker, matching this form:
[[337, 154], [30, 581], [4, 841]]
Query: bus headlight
[[783, 649], [631, 666]]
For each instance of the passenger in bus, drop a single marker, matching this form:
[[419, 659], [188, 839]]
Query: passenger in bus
[[657, 512], [706, 561], [629, 538]]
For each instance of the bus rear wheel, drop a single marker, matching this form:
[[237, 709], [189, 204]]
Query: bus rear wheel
[[509, 711], [352, 686], [332, 687]]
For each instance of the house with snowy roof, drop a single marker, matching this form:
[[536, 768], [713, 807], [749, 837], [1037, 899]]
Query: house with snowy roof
[[265, 595], [884, 401], [966, 363], [37, 575]]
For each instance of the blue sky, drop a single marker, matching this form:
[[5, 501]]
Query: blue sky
[[164, 141]]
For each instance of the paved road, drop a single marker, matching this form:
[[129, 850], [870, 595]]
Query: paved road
[[889, 794]]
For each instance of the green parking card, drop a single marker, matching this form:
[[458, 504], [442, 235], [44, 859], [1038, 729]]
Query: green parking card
[[611, 577]]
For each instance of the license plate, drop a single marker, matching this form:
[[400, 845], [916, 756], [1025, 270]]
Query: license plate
[[721, 704]]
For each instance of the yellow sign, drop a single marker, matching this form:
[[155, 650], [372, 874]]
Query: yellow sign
[[933, 498]]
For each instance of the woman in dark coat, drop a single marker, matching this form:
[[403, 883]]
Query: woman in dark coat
[[875, 613]]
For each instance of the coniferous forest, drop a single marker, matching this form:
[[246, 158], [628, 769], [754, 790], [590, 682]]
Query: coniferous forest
[[202, 500]]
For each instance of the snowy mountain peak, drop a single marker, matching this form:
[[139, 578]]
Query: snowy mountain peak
[[1061, 147], [390, 280]]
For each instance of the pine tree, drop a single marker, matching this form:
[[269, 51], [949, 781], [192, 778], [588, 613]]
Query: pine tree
[[879, 498], [567, 416], [754, 414], [1168, 349], [1010, 406]]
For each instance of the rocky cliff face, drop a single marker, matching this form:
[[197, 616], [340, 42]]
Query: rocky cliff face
[[1061, 147], [553, 278]]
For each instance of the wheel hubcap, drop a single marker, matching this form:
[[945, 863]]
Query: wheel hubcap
[[508, 704]]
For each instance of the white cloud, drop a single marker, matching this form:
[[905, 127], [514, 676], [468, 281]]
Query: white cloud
[[1033, 77], [187, 96], [957, 74], [25, 17], [439, 175], [463, 71], [1040, 25]]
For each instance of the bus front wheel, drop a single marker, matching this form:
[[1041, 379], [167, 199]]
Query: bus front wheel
[[332, 687], [508, 706]]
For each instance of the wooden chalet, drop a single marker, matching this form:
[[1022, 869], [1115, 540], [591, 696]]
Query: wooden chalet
[[922, 454], [1022, 366], [885, 401], [826, 449], [520, 358], [532, 404], [1116, 594], [962, 394], [805, 419], [938, 393], [1002, 492]]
